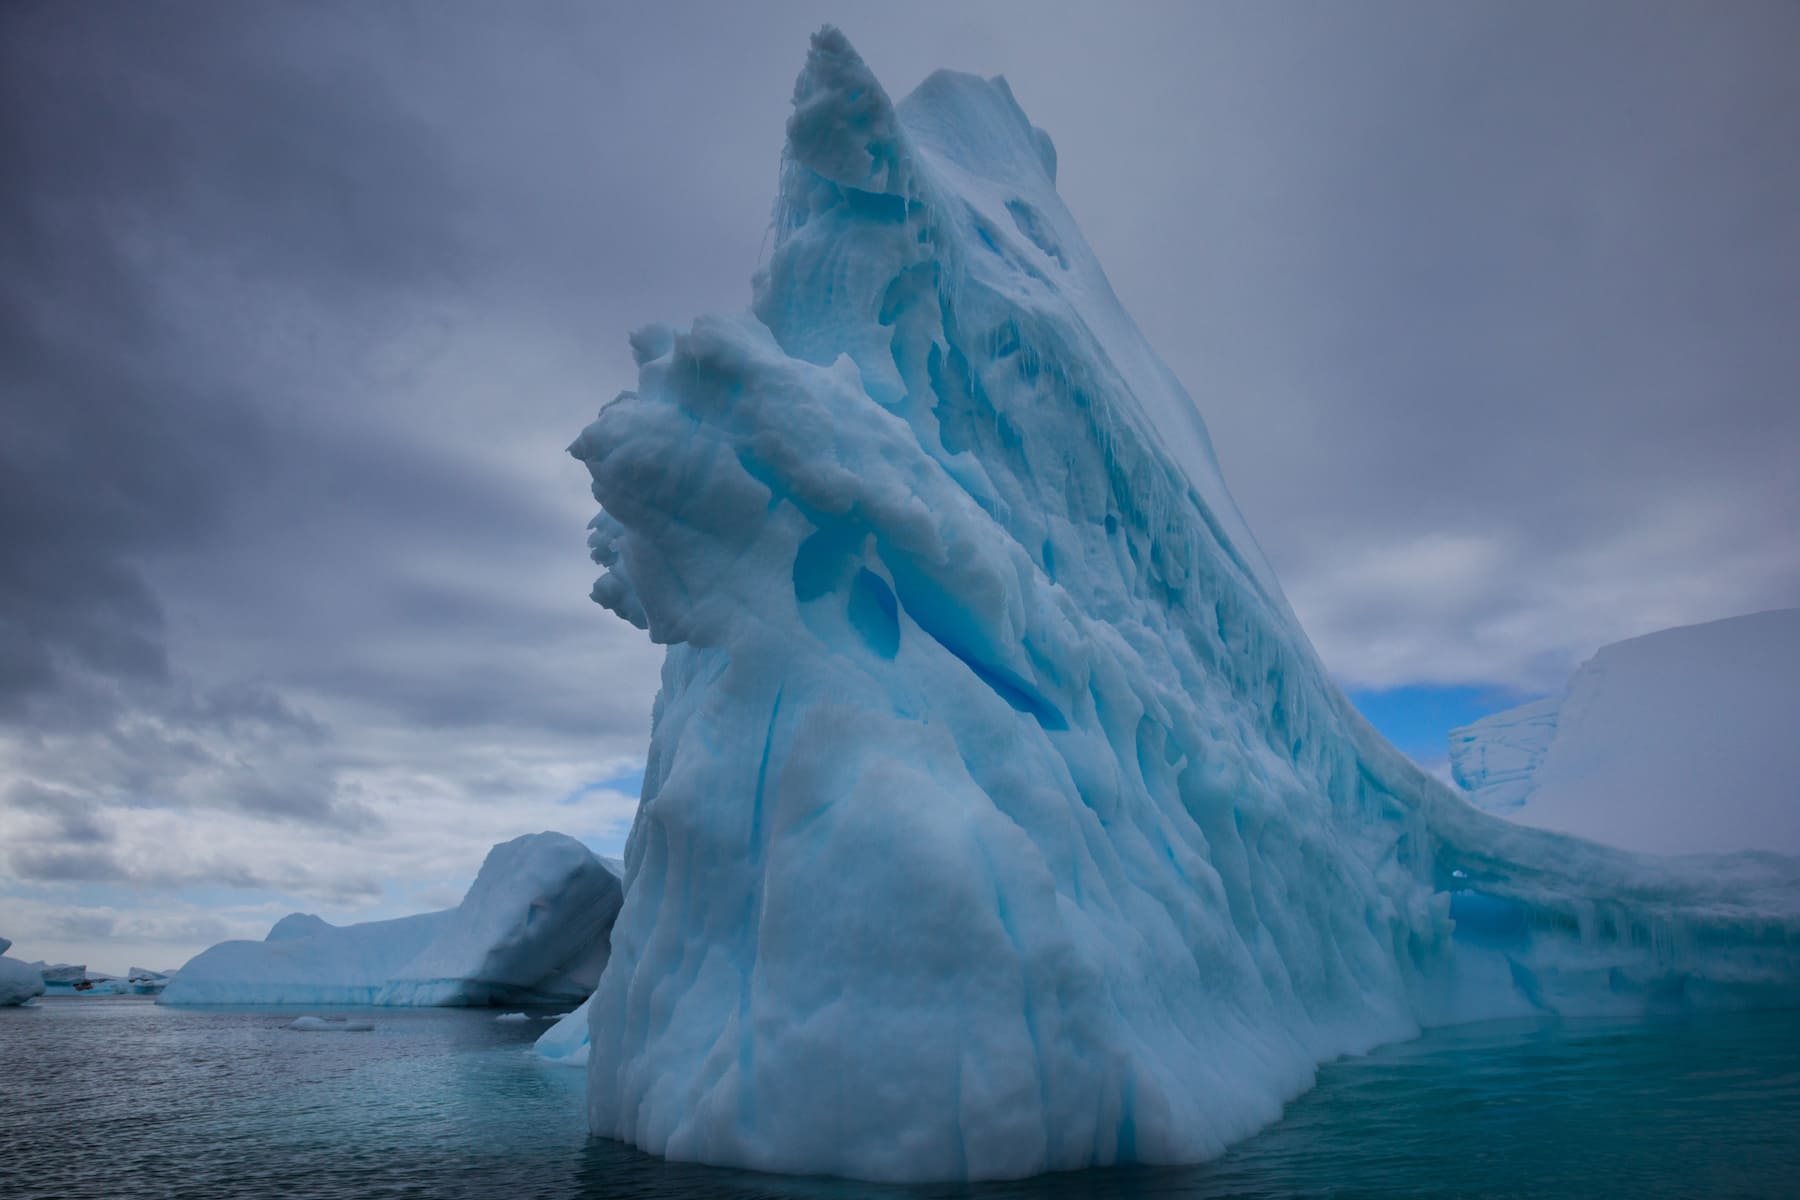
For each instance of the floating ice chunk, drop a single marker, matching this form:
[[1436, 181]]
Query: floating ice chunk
[[566, 1042], [330, 1025], [519, 1018]]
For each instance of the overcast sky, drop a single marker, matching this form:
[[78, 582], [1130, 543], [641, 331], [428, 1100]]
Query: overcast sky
[[1493, 311]]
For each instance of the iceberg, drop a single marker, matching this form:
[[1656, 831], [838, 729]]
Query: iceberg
[[1495, 758], [533, 929], [145, 982], [566, 1042], [19, 981], [1677, 742], [338, 965], [999, 817], [62, 977]]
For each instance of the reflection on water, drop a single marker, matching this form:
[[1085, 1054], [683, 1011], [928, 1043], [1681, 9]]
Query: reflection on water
[[115, 1096]]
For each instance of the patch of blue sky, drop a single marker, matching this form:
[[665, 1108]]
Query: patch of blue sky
[[1418, 719], [628, 782], [607, 839]]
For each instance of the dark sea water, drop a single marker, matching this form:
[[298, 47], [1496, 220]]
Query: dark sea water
[[116, 1097]]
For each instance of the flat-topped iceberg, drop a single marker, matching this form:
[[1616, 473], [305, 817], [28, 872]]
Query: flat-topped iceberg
[[62, 977], [1677, 742], [533, 929], [998, 816]]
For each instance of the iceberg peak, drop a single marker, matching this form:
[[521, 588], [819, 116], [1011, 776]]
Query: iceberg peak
[[998, 817], [843, 127]]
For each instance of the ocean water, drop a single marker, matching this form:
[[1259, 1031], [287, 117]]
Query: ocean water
[[117, 1097]]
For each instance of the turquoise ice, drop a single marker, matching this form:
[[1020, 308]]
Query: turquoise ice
[[999, 817]]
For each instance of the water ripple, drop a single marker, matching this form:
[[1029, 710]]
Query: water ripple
[[117, 1097]]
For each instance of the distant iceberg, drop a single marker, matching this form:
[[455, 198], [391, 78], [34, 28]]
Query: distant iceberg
[[999, 817], [533, 929], [62, 977], [142, 981], [1677, 742], [19, 981]]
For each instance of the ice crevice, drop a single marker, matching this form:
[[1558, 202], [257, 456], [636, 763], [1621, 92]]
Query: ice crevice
[[998, 816]]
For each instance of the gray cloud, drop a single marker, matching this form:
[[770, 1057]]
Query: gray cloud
[[76, 819], [102, 926], [228, 251], [1489, 309], [1510, 277], [138, 148]]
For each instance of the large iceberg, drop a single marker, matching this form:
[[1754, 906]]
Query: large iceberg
[[999, 817], [533, 929], [1677, 742], [19, 981]]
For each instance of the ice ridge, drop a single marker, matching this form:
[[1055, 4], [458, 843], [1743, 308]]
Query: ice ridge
[[998, 816]]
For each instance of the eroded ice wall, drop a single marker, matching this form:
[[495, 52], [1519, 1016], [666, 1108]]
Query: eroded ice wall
[[999, 817]]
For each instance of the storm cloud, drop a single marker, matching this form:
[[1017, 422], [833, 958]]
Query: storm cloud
[[1490, 310]]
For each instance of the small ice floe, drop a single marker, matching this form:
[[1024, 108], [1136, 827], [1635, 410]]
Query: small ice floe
[[512, 1017], [566, 1042], [554, 1017], [331, 1025]]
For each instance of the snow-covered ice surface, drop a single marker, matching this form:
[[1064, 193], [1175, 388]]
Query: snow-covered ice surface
[[1678, 742], [347, 965], [533, 928], [998, 816], [1495, 758], [19, 981]]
